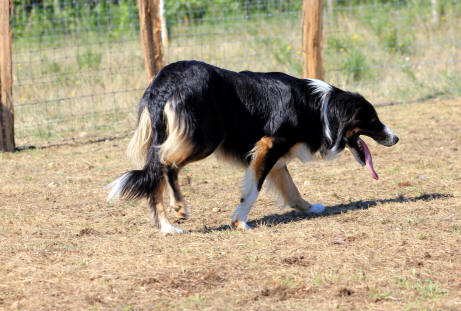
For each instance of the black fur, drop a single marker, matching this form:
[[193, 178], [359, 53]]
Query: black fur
[[233, 111], [145, 182]]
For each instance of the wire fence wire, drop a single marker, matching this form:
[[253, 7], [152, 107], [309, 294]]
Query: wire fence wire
[[79, 71]]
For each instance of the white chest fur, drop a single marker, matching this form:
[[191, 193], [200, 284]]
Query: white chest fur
[[298, 151], [301, 152]]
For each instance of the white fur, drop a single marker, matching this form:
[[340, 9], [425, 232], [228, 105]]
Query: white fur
[[325, 120], [302, 153], [317, 209], [389, 132], [141, 141], [390, 137], [117, 186], [177, 146], [167, 228], [331, 154], [249, 196], [320, 87], [323, 89]]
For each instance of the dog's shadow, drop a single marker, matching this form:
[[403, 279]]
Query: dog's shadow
[[292, 216]]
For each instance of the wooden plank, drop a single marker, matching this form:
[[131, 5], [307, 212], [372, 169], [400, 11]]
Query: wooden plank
[[6, 80], [151, 36], [312, 39]]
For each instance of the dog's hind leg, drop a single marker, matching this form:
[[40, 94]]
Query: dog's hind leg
[[281, 180], [176, 199], [265, 154], [158, 210], [149, 183]]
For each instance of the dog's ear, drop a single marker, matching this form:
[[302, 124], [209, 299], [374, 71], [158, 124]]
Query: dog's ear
[[341, 119], [334, 118]]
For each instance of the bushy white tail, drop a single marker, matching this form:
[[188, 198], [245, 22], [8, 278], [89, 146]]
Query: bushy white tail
[[117, 187]]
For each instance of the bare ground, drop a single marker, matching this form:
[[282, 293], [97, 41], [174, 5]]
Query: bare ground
[[387, 245]]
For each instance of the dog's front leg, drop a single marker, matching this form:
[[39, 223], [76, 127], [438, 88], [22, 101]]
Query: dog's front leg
[[286, 188], [265, 154]]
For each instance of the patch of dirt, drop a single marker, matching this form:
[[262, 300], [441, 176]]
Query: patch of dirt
[[282, 292], [87, 231]]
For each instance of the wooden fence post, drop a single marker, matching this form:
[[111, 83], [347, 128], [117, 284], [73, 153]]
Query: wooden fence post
[[312, 39], [6, 80], [151, 36]]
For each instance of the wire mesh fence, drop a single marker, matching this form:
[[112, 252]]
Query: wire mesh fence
[[79, 72]]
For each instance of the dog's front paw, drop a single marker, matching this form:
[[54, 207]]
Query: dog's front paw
[[316, 209], [241, 225]]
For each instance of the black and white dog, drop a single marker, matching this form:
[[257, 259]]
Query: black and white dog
[[260, 120]]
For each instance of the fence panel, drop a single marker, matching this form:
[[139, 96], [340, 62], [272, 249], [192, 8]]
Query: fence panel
[[391, 50], [79, 71]]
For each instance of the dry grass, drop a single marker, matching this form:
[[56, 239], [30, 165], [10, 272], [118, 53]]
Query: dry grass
[[387, 245]]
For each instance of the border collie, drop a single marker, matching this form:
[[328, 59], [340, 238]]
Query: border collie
[[259, 120]]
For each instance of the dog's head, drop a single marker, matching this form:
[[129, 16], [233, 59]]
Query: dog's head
[[346, 117]]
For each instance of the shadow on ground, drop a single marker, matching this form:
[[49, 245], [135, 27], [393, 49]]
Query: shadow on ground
[[291, 216]]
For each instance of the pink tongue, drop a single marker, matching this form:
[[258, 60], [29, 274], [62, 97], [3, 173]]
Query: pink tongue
[[368, 160]]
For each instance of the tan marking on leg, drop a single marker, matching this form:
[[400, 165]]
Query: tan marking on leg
[[258, 154], [282, 181], [180, 208], [177, 202]]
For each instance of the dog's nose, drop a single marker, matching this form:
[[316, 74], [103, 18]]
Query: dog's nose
[[396, 139]]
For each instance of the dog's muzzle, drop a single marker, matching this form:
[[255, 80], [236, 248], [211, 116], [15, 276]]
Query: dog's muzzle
[[389, 138]]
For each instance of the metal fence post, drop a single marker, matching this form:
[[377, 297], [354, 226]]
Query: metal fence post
[[6, 80], [312, 39], [151, 35]]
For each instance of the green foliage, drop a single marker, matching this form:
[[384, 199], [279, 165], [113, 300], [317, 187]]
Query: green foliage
[[197, 11], [50, 18], [89, 59], [349, 56], [356, 65], [337, 44]]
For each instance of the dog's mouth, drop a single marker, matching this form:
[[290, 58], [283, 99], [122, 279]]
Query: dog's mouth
[[362, 154]]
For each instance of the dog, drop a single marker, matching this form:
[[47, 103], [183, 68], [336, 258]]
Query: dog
[[260, 121]]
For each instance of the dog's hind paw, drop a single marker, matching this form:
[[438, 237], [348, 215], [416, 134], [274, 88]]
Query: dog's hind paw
[[316, 209], [170, 229]]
